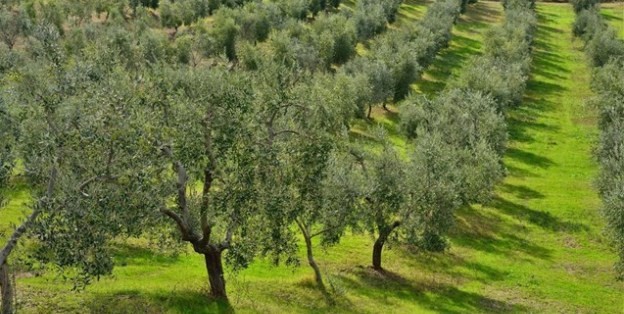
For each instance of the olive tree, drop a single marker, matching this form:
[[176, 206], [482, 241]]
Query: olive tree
[[304, 118], [378, 78], [341, 33], [467, 127], [608, 84], [7, 161], [370, 19], [199, 127], [225, 33], [454, 152], [409, 200], [386, 197], [580, 5], [14, 22], [70, 145]]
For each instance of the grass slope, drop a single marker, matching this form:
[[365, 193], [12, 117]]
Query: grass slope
[[614, 14], [542, 234], [537, 247]]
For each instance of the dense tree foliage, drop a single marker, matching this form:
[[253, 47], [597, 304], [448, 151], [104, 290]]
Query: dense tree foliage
[[398, 57], [459, 138], [231, 132], [606, 54], [503, 70]]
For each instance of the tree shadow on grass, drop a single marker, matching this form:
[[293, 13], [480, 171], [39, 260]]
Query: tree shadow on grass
[[137, 255], [384, 286], [542, 219], [521, 191], [483, 13], [521, 123], [529, 158], [459, 269], [447, 63], [488, 232], [134, 301], [610, 16], [518, 172]]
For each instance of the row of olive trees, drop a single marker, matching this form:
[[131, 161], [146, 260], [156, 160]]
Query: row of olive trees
[[317, 44], [606, 54], [110, 128], [116, 131], [502, 71], [398, 58], [468, 123]]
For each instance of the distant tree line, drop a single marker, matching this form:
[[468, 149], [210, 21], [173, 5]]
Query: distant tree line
[[605, 52], [398, 58]]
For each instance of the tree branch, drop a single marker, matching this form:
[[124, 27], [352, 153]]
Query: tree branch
[[17, 234], [187, 234], [181, 183], [303, 228], [323, 231], [208, 179]]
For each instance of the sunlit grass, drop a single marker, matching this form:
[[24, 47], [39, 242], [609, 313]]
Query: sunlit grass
[[537, 247], [614, 13]]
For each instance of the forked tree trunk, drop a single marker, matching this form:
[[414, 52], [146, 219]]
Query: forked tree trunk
[[7, 290], [214, 266], [384, 233]]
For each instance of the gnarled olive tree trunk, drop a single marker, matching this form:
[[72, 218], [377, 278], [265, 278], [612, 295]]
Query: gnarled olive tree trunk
[[384, 233], [202, 241], [214, 266]]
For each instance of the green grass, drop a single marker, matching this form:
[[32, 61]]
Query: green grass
[[546, 229], [538, 247], [14, 210], [614, 14]]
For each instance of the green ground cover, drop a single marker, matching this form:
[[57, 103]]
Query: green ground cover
[[538, 247], [614, 14]]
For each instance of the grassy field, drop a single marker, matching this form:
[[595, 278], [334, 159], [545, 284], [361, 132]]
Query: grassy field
[[538, 247], [614, 14]]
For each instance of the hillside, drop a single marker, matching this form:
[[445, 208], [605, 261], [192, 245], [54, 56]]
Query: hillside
[[538, 246]]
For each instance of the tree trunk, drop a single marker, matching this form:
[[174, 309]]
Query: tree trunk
[[377, 249], [214, 266], [317, 271], [385, 106], [7, 290], [370, 109], [384, 233]]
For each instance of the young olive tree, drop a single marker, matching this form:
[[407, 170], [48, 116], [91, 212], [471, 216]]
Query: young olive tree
[[377, 76], [303, 171], [409, 200], [386, 197]]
